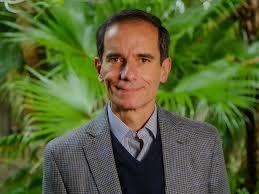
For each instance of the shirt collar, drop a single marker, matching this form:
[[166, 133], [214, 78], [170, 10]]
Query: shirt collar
[[120, 129]]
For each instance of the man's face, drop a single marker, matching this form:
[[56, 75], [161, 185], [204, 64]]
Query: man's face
[[130, 65]]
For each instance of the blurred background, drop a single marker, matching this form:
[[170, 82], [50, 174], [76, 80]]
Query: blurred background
[[48, 84]]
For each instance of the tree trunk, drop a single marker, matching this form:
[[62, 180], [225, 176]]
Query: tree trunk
[[5, 119], [249, 19], [256, 138], [251, 127]]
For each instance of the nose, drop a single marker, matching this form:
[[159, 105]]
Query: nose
[[128, 72]]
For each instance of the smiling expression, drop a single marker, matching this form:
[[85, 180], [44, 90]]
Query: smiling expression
[[130, 65]]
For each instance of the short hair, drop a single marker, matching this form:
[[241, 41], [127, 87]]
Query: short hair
[[134, 14]]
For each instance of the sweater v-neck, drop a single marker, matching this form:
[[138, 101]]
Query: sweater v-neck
[[140, 177], [125, 157]]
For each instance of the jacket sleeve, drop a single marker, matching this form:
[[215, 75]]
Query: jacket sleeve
[[218, 176], [52, 179]]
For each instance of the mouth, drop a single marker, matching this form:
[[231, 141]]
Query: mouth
[[128, 89]]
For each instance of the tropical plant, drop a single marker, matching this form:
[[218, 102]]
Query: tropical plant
[[214, 78]]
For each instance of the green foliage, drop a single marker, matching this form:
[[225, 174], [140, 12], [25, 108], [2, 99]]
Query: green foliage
[[58, 103], [214, 76], [24, 181], [10, 54], [10, 58]]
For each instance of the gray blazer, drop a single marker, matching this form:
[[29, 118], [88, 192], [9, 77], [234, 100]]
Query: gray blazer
[[82, 162]]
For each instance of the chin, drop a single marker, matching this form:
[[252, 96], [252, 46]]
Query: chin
[[127, 104]]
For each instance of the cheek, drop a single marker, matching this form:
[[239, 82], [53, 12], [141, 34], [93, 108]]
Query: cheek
[[108, 71], [152, 77], [110, 77], [104, 69], [152, 85]]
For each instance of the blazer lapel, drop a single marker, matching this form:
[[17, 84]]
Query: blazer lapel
[[99, 154], [175, 153]]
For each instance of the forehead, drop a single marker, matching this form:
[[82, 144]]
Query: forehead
[[131, 34]]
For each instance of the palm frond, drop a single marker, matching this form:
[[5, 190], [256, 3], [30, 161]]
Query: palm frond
[[60, 103], [222, 88]]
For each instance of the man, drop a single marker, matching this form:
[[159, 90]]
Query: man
[[134, 146]]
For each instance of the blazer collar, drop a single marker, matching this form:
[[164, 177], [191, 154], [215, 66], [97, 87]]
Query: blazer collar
[[99, 154]]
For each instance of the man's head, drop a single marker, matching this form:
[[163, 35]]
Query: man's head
[[137, 15], [132, 58]]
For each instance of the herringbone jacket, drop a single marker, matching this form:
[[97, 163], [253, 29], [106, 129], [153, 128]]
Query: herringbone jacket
[[82, 162]]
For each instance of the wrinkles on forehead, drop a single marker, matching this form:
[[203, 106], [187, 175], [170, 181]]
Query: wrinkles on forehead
[[128, 37]]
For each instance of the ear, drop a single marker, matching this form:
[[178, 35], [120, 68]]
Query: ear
[[98, 65], [165, 69]]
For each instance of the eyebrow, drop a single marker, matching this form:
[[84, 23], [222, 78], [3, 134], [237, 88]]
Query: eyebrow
[[111, 55], [141, 55], [145, 55]]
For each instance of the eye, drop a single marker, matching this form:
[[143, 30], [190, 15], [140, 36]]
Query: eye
[[144, 60], [115, 60]]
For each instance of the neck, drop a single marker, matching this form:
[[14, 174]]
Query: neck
[[135, 119]]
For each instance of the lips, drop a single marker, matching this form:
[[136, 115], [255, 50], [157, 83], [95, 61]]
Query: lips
[[127, 87]]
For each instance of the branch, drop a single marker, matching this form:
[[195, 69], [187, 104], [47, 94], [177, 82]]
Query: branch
[[11, 2]]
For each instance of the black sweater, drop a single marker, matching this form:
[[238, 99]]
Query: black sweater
[[140, 177]]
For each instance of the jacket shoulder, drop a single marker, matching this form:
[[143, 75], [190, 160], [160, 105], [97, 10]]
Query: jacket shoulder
[[76, 137], [192, 128]]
